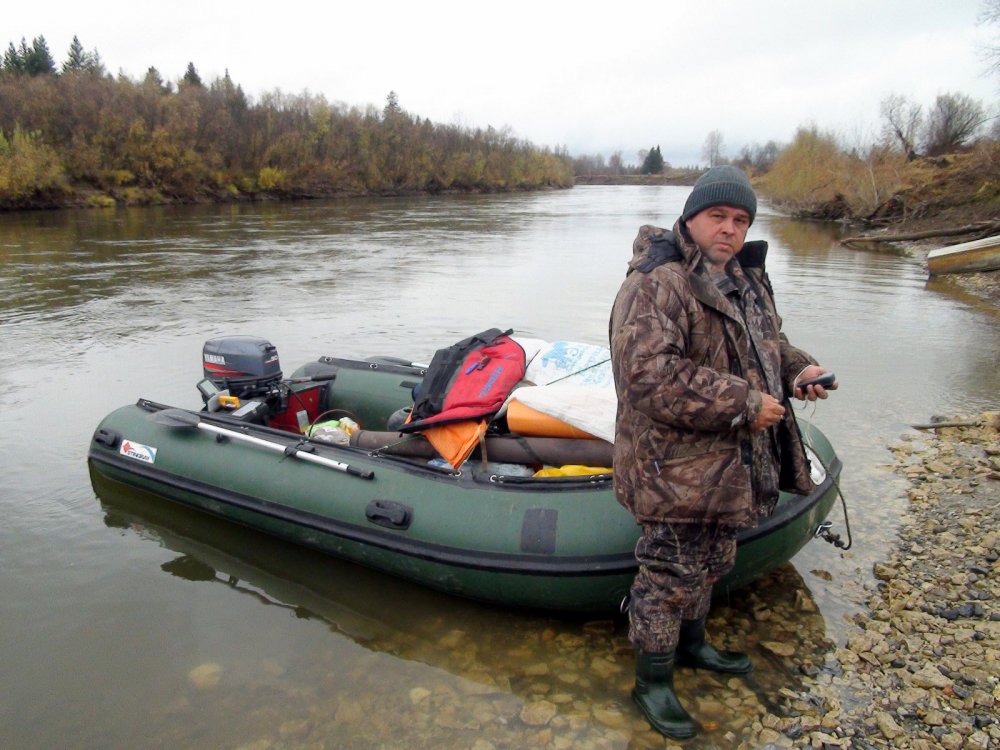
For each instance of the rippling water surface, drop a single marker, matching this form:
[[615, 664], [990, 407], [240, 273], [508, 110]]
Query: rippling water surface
[[125, 623]]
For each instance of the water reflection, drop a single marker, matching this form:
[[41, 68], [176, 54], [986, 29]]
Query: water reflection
[[807, 237], [442, 671]]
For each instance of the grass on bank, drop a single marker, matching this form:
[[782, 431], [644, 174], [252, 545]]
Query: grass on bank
[[816, 177]]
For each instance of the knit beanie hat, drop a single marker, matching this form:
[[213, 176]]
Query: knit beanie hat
[[721, 186]]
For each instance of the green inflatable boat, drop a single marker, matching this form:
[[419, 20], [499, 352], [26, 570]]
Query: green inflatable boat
[[489, 531]]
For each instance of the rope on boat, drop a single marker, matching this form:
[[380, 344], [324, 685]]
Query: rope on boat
[[823, 531]]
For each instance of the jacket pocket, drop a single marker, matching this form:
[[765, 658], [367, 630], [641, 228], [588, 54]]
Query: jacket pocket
[[709, 487]]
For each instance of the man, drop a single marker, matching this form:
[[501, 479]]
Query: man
[[704, 438]]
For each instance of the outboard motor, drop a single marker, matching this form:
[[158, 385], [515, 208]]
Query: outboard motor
[[242, 373], [243, 365]]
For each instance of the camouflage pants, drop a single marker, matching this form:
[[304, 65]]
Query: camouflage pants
[[678, 563]]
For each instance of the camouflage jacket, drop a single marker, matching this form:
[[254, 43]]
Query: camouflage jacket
[[681, 355]]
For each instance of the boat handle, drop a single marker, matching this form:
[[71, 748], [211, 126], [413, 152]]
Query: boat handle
[[107, 438], [389, 513]]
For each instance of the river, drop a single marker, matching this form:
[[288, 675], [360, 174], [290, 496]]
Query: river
[[126, 623]]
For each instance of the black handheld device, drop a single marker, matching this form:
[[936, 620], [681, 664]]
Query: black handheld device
[[826, 380]]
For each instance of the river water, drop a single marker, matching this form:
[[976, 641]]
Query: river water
[[126, 623]]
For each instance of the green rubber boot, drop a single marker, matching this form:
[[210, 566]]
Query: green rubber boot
[[654, 692], [694, 651]]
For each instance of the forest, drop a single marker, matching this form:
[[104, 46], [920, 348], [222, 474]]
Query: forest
[[75, 135]]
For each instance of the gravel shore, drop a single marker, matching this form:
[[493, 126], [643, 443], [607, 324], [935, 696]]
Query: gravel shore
[[984, 284], [922, 669]]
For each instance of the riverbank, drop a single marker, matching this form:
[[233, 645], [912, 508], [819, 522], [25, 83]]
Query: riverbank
[[982, 284], [83, 197], [921, 669], [956, 196], [683, 178]]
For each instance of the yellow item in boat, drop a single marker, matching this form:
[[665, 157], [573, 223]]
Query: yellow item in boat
[[572, 470]]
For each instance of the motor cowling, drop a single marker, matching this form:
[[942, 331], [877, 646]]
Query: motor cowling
[[243, 365]]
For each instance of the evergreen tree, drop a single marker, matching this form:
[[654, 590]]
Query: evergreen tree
[[232, 93], [13, 62], [93, 64], [38, 61], [653, 163], [153, 78], [191, 76], [76, 58], [391, 105]]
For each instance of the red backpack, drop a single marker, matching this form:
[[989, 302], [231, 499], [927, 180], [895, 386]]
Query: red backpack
[[468, 380]]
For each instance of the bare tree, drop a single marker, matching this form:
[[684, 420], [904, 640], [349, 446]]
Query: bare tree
[[758, 158], [901, 121], [990, 14], [588, 165], [712, 150], [952, 122]]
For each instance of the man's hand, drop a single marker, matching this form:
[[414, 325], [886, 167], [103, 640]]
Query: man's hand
[[812, 392], [771, 412]]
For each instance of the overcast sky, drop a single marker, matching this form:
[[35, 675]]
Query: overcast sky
[[591, 77]]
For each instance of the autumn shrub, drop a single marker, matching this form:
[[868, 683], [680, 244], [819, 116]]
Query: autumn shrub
[[101, 201], [816, 171], [28, 169], [270, 178]]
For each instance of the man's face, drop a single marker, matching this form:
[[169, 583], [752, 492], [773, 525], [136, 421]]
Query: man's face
[[719, 231]]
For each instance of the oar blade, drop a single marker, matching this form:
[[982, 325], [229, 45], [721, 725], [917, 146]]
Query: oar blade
[[176, 418]]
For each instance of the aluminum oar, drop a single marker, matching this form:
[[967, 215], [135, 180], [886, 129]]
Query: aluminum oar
[[181, 418]]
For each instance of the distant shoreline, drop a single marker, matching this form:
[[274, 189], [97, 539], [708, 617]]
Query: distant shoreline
[[91, 199]]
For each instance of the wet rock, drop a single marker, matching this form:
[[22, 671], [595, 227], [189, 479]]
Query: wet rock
[[779, 648], [261, 744], [350, 712], [452, 639], [294, 728], [605, 668], [538, 713], [419, 695], [768, 737], [206, 675], [822, 739], [538, 669], [884, 572], [610, 717]]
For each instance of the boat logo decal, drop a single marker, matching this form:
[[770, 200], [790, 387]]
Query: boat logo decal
[[138, 451]]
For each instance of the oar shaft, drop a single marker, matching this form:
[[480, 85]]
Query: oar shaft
[[241, 437], [279, 448]]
